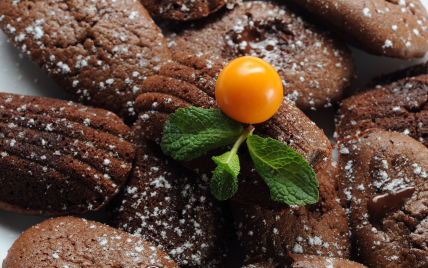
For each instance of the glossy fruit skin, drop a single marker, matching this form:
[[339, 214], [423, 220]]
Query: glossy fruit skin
[[249, 90]]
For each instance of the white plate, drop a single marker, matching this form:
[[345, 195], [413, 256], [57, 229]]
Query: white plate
[[19, 75]]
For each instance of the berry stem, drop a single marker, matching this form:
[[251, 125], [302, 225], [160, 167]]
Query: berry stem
[[248, 132]]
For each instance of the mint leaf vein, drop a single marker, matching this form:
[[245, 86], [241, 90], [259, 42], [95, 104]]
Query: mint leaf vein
[[288, 175], [223, 184], [193, 131]]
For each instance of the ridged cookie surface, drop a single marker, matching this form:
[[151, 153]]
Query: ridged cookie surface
[[74, 242], [170, 206], [190, 81], [393, 102], [314, 66], [98, 51], [58, 157]]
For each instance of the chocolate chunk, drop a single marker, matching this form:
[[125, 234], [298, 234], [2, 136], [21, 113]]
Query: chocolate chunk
[[58, 157], [313, 261], [394, 28], [166, 204], [315, 66], [75, 242], [380, 162], [186, 9], [393, 102], [190, 81], [98, 51], [381, 205], [273, 234]]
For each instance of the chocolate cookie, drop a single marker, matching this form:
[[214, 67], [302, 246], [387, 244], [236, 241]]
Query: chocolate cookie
[[98, 51], [313, 261], [190, 81], [394, 102], [165, 204], [383, 180], [394, 28], [75, 242], [262, 265], [185, 9], [315, 67], [272, 234], [331, 173], [58, 157]]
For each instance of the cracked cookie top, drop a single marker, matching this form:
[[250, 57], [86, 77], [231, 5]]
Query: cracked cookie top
[[74, 242], [315, 67], [98, 51], [372, 166], [185, 9]]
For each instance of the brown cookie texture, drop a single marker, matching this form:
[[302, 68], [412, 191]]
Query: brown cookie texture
[[75, 242], [394, 28], [166, 204], [273, 234], [190, 81], [394, 102], [314, 66], [182, 10], [262, 265], [313, 261], [98, 51], [330, 173], [383, 182], [58, 157]]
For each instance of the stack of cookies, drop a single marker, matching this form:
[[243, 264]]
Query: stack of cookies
[[131, 64]]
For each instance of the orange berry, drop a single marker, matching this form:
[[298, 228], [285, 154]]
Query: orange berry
[[249, 90]]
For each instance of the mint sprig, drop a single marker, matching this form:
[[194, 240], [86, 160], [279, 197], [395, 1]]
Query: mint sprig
[[229, 161], [191, 132]]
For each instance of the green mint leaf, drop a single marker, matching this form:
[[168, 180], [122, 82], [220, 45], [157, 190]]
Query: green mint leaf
[[229, 162], [290, 178], [190, 132], [223, 184]]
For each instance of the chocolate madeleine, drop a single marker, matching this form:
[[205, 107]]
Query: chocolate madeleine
[[393, 102], [165, 203], [75, 242], [190, 81], [58, 157], [185, 9], [315, 66], [273, 234], [98, 51], [383, 180], [313, 261], [394, 28]]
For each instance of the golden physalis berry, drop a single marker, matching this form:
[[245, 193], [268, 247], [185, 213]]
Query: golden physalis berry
[[249, 90]]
